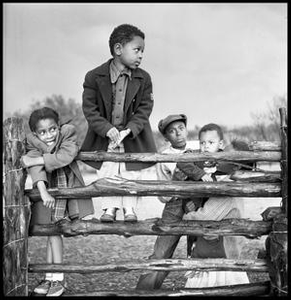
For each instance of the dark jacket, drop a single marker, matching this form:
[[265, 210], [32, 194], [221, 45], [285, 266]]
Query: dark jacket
[[194, 170], [97, 108]]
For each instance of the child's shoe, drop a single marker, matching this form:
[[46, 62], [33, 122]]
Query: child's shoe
[[43, 287], [109, 215], [56, 289], [129, 215]]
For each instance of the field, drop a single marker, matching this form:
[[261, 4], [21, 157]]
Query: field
[[102, 249]]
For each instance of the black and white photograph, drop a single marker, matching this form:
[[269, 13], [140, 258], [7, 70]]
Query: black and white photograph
[[144, 149]]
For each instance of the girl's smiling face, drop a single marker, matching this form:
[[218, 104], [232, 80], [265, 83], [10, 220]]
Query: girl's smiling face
[[47, 130]]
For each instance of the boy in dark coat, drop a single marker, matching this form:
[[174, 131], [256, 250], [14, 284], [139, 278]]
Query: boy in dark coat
[[117, 103]]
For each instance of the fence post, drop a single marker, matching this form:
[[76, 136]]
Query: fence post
[[276, 242], [16, 211]]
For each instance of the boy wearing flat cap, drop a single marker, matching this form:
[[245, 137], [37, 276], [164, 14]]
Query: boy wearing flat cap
[[174, 130]]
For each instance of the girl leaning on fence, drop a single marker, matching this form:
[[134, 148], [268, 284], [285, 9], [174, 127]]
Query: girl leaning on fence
[[51, 150]]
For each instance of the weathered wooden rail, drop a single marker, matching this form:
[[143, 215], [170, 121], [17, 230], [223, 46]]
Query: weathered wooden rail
[[252, 183]]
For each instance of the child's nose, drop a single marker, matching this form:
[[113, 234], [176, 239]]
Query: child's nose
[[48, 134]]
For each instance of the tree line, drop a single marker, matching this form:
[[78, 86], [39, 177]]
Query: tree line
[[265, 124]]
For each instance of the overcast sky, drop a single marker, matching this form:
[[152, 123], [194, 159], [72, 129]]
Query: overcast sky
[[214, 62]]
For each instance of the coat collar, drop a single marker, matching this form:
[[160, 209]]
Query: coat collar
[[103, 70], [104, 83]]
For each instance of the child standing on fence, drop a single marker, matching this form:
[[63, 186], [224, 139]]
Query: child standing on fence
[[117, 103], [51, 149], [215, 208]]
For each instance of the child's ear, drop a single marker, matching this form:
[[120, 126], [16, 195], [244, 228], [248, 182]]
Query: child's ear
[[221, 145], [117, 48]]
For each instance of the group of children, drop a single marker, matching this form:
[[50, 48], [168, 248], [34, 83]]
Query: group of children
[[117, 103]]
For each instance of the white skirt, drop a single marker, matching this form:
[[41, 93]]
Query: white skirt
[[201, 279]]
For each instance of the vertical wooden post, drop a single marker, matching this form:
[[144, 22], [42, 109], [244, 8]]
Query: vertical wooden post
[[276, 242], [16, 211], [284, 159]]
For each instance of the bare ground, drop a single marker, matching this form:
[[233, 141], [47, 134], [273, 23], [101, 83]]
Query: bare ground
[[102, 249]]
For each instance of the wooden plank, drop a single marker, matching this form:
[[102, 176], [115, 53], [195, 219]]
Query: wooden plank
[[254, 176], [265, 146], [210, 264], [122, 187], [241, 227], [251, 289], [181, 157]]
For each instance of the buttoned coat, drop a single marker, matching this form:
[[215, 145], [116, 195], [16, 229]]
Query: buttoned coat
[[60, 155], [97, 108]]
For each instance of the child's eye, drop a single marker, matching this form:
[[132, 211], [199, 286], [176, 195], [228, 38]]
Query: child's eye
[[42, 132]]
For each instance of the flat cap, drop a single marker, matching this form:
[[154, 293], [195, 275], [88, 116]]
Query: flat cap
[[164, 123]]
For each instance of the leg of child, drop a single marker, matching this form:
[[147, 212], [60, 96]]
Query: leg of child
[[164, 247], [112, 203], [129, 203], [49, 259], [217, 209], [56, 245]]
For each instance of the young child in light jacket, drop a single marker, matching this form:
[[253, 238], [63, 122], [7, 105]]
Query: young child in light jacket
[[215, 208]]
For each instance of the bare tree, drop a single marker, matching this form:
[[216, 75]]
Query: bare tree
[[267, 124]]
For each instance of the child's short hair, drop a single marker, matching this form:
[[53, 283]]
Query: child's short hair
[[123, 34], [211, 127], [40, 114]]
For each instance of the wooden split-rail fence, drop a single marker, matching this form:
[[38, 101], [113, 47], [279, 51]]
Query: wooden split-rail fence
[[253, 183]]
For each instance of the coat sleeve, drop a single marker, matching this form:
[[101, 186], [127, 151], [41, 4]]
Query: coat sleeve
[[190, 169], [66, 151], [163, 173], [143, 111], [90, 106], [37, 173]]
